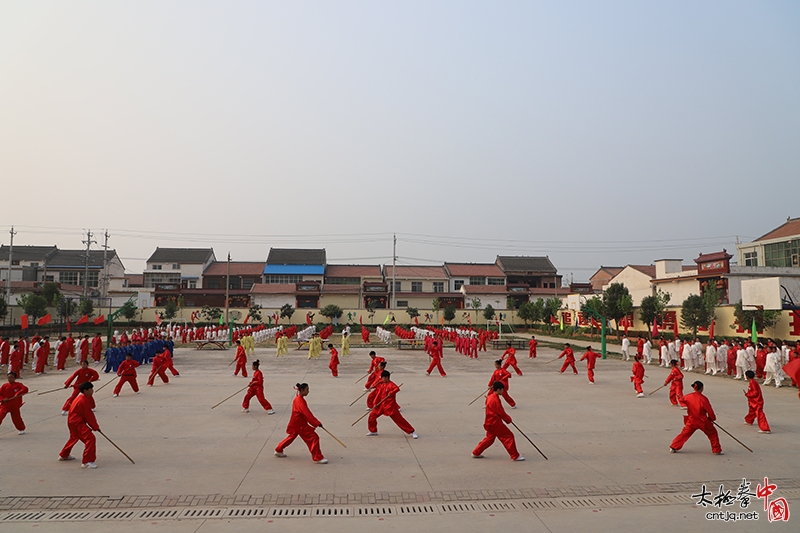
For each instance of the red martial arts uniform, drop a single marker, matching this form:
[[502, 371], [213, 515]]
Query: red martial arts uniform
[[639, 346], [675, 379], [167, 357], [70, 346], [78, 377], [638, 376], [387, 398], [591, 358], [83, 348], [532, 347], [127, 374], [256, 388], [755, 402], [41, 356], [436, 358], [511, 361], [9, 406], [302, 424], [15, 361], [496, 429], [241, 361], [159, 369], [81, 422], [334, 364], [569, 360], [62, 351], [97, 348], [502, 376], [700, 416], [5, 350]]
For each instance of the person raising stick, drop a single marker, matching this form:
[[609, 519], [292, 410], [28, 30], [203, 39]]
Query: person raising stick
[[127, 374], [241, 360], [700, 416], [590, 357], [81, 422], [256, 388], [494, 426], [502, 375], [638, 376], [569, 359], [386, 404], [675, 381], [79, 377], [11, 395], [302, 424], [755, 402], [511, 353], [159, 369], [334, 364]]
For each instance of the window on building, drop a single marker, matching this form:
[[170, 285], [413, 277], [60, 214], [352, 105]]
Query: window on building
[[416, 286], [94, 279], [343, 281], [235, 283], [781, 254], [304, 302], [51, 279], [68, 278], [457, 284], [477, 280], [438, 286], [15, 263], [751, 258], [156, 280], [213, 284], [248, 283], [156, 267], [35, 265], [495, 281], [398, 286], [402, 303], [284, 279], [176, 266]]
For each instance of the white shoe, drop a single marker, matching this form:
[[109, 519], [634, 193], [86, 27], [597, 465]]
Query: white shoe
[[64, 413], [23, 432], [513, 406], [245, 410], [520, 458], [88, 465], [369, 408], [427, 373], [67, 458], [640, 395], [280, 454], [719, 453], [137, 392], [94, 409], [322, 461], [477, 456], [116, 396], [271, 412], [414, 435], [760, 431], [673, 450], [372, 433]]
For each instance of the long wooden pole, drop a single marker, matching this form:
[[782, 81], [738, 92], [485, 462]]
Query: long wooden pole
[[658, 389], [529, 440], [54, 390], [362, 395], [476, 399], [334, 436], [107, 383], [734, 438], [232, 395], [117, 447], [362, 377], [373, 407]]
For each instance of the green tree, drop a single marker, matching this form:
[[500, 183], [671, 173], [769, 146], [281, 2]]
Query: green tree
[[551, 308], [51, 293], [412, 312], [128, 310], [34, 305], [617, 303], [694, 313], [287, 311], [711, 299], [86, 307], [435, 305], [527, 312], [331, 311], [211, 314], [511, 303], [3, 308], [170, 310], [449, 313], [653, 307], [538, 310], [764, 318], [489, 312], [255, 313]]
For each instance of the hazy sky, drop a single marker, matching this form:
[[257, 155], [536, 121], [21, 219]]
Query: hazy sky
[[592, 132]]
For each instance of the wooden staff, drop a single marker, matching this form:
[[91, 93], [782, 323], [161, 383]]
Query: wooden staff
[[476, 399], [334, 436], [362, 377], [234, 360], [54, 390], [551, 360], [373, 407], [362, 395], [19, 396], [232, 395], [734, 438], [106, 384], [117, 447], [529, 440], [658, 389]]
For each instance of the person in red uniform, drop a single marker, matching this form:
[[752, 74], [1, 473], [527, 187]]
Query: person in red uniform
[[5, 351], [675, 382], [334, 363], [81, 422], [510, 357], [79, 377], [97, 348], [11, 394], [591, 358], [42, 353], [127, 374], [62, 351], [569, 359], [241, 360], [386, 404], [372, 383], [436, 355], [640, 346], [256, 388], [169, 361], [15, 360], [159, 369], [495, 427], [83, 348], [364, 335], [755, 402], [502, 375], [638, 376], [700, 416], [71, 345], [302, 424], [532, 347]]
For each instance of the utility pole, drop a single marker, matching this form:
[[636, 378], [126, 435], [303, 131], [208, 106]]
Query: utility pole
[[227, 299], [105, 263], [10, 257], [88, 242], [394, 271]]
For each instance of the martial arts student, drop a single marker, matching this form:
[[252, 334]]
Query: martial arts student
[[741, 361], [345, 344], [700, 416], [159, 369], [166, 356], [42, 352], [241, 360], [591, 358], [302, 423], [638, 376], [688, 356], [127, 374], [334, 363], [773, 368], [626, 346], [675, 382], [97, 348], [256, 388], [495, 426], [78, 378], [711, 358], [15, 360], [569, 359], [5, 351], [510, 358], [386, 404], [532, 347], [755, 403], [502, 375], [372, 383], [81, 422], [647, 352], [663, 353], [11, 394], [436, 355], [62, 351], [83, 348]]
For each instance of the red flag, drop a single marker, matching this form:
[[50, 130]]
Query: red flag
[[23, 322], [69, 325], [99, 320], [792, 369], [625, 324], [416, 320], [361, 320], [44, 320], [82, 320], [711, 331], [246, 319], [553, 320], [655, 328], [675, 328]]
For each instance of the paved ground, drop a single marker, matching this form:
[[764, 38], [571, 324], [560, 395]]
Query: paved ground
[[204, 470]]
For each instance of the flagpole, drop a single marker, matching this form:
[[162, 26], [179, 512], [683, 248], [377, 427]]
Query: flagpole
[[227, 299]]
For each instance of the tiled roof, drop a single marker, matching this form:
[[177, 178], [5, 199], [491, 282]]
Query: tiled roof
[[135, 280], [611, 271], [423, 272], [353, 271], [238, 268], [340, 289], [274, 288], [182, 255], [525, 264], [648, 270], [77, 258], [790, 228], [716, 256], [27, 253], [474, 269], [299, 256]]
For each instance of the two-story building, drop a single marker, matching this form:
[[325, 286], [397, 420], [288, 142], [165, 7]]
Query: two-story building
[[777, 248], [181, 267], [535, 272], [417, 286]]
